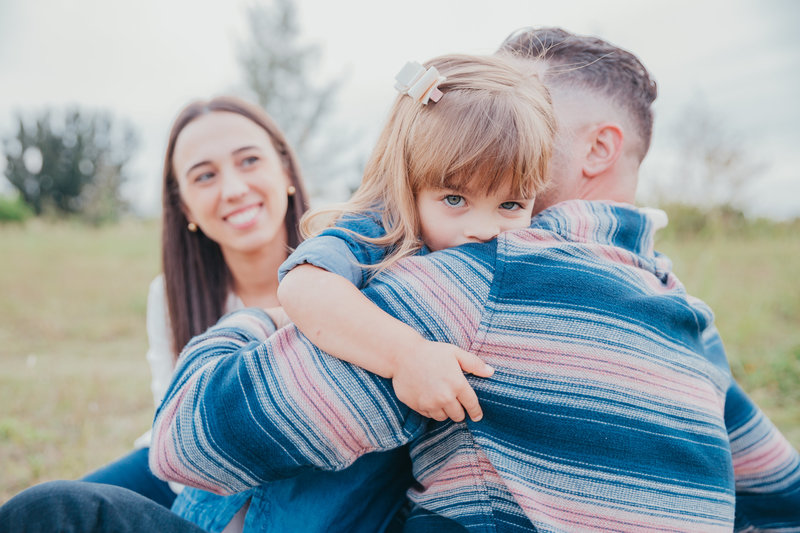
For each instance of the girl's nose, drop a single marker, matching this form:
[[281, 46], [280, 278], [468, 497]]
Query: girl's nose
[[482, 230]]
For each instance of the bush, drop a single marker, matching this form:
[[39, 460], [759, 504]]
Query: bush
[[66, 161], [687, 221], [13, 209]]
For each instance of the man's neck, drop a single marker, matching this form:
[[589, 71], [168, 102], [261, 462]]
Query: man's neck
[[599, 188], [607, 190], [617, 184]]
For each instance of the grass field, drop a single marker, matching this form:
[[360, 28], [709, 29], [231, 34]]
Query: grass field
[[74, 385], [751, 283]]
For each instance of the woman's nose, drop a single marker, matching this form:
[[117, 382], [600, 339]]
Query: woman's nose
[[233, 186]]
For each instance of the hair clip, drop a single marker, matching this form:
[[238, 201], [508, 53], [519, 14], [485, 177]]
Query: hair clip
[[420, 84]]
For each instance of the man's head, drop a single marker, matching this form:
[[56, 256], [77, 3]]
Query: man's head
[[602, 96]]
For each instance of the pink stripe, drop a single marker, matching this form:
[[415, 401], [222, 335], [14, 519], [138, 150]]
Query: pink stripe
[[547, 512], [450, 305], [771, 455], [326, 412], [166, 444], [468, 470], [614, 369]]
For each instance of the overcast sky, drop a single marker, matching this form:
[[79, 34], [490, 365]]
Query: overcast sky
[[145, 59]]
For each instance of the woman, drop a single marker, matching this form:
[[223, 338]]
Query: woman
[[232, 202]]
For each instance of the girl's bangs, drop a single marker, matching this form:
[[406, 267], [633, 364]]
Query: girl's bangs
[[481, 153]]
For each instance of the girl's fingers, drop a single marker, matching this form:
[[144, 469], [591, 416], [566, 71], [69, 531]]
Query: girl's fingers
[[472, 364], [469, 400], [439, 415], [454, 411]]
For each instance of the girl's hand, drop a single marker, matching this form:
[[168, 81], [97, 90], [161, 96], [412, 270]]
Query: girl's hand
[[431, 381], [278, 316]]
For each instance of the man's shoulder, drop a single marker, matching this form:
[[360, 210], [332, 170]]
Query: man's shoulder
[[464, 267], [443, 295], [451, 260]]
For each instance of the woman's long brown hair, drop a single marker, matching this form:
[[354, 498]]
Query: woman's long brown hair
[[196, 277]]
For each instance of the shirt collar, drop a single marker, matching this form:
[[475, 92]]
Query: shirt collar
[[610, 223]]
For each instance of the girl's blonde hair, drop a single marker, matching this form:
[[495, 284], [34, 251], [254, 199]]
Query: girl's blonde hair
[[493, 127]]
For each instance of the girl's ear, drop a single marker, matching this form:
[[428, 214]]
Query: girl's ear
[[605, 148]]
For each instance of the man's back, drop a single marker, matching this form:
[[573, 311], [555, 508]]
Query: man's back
[[604, 411], [611, 407]]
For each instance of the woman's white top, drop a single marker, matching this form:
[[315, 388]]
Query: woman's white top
[[159, 353]]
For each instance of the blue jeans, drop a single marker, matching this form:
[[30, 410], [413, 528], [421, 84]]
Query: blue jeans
[[419, 520], [132, 472], [81, 507]]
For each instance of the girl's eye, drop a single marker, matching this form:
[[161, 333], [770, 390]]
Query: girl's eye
[[510, 206], [248, 161], [454, 200]]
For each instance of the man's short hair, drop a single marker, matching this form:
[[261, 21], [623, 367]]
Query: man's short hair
[[593, 64]]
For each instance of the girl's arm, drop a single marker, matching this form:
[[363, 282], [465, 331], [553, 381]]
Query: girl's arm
[[427, 376]]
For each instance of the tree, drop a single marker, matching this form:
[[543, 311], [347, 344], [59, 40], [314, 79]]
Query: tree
[[72, 162], [278, 72]]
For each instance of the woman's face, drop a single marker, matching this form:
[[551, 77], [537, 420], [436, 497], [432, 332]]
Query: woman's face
[[232, 182]]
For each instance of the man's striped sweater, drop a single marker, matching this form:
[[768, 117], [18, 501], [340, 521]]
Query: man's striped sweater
[[612, 406]]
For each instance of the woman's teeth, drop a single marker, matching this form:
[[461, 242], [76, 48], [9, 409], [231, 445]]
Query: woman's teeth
[[243, 217]]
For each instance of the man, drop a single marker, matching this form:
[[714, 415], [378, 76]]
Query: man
[[611, 407], [602, 96]]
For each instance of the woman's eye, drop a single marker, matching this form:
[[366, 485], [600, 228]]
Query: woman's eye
[[205, 176], [248, 161], [510, 206], [454, 200]]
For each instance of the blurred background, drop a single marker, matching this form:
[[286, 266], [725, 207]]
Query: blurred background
[[89, 88]]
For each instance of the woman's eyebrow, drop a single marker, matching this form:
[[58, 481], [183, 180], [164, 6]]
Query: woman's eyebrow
[[207, 162], [243, 149], [196, 165]]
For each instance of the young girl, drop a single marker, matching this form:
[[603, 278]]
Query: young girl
[[460, 160]]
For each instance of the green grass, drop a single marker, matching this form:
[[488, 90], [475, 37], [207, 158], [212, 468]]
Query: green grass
[[751, 284], [74, 386]]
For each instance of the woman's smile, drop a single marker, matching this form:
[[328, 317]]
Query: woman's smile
[[245, 217]]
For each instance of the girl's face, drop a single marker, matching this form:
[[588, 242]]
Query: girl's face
[[450, 217], [232, 182]]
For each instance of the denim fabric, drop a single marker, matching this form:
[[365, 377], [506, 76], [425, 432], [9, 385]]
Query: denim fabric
[[362, 498], [328, 253], [132, 472], [420, 520], [339, 249], [82, 507]]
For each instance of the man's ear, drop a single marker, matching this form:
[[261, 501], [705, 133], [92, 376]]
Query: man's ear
[[606, 147]]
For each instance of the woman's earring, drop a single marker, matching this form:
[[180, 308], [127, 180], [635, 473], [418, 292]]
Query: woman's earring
[[192, 227], [290, 190]]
